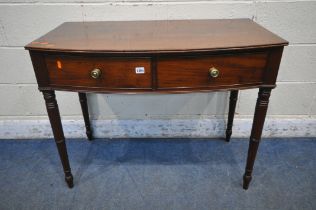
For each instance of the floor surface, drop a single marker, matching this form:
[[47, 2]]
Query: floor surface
[[158, 174]]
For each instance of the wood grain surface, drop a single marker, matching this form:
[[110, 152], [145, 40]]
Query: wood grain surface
[[156, 36], [193, 72], [115, 72]]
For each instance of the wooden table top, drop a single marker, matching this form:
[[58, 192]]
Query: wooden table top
[[156, 36]]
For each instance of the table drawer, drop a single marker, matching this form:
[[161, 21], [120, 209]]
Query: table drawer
[[112, 73], [194, 72]]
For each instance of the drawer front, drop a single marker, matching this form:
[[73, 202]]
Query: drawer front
[[115, 73], [194, 72]]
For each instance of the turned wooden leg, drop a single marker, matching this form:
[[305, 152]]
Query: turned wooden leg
[[54, 118], [85, 112], [256, 131], [231, 113]]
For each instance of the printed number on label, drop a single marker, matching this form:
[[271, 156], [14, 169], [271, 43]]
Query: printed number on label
[[140, 70]]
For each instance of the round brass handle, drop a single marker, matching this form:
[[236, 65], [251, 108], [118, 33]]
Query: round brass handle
[[214, 72], [95, 73]]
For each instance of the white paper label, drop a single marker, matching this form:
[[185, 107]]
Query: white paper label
[[140, 70]]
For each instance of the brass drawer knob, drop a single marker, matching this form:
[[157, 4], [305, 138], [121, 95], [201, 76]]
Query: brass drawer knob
[[214, 72], [95, 73]]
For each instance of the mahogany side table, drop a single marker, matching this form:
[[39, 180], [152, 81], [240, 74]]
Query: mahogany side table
[[173, 56]]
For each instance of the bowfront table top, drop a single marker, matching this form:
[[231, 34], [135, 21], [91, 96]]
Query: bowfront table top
[[172, 56], [156, 36]]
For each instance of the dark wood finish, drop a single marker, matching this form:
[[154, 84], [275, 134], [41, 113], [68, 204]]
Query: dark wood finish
[[193, 72], [85, 113], [117, 73], [156, 36], [255, 137], [272, 68], [39, 66], [231, 113], [54, 118], [176, 56], [154, 73]]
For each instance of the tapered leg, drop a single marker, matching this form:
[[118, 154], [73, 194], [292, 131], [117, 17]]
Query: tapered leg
[[85, 112], [54, 118], [231, 113], [256, 131]]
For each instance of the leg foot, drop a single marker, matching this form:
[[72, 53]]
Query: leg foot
[[232, 106], [247, 180], [69, 181], [85, 113], [228, 135], [89, 135]]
